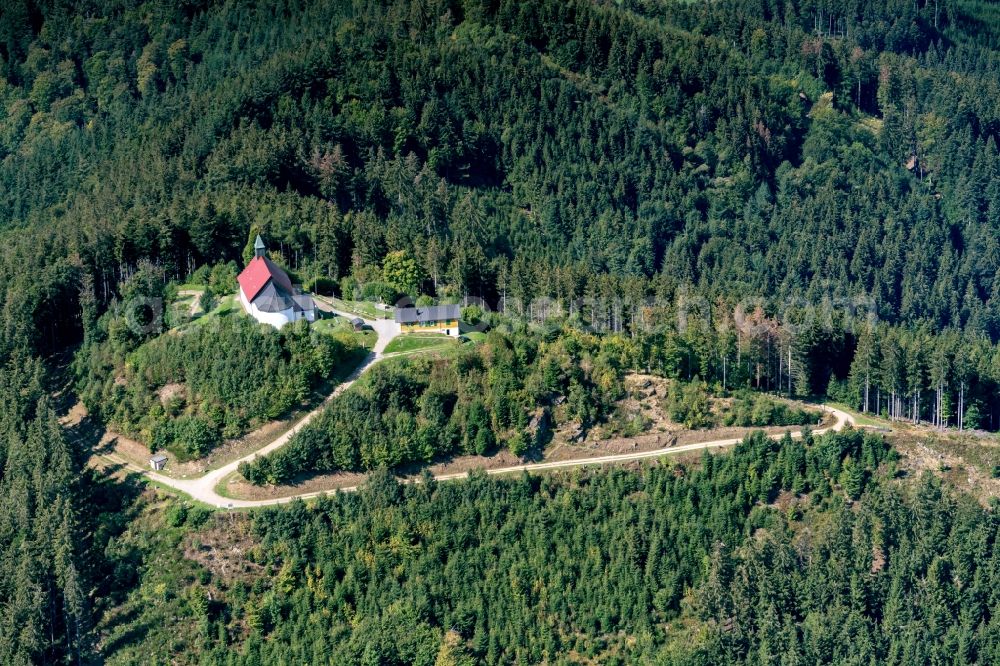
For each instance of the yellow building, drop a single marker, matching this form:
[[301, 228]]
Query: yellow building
[[429, 319]]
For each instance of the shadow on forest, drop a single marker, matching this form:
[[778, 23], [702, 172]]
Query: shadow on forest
[[129, 637], [110, 494], [113, 498]]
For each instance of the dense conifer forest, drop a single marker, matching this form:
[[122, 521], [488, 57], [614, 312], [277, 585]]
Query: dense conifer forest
[[795, 196], [780, 551]]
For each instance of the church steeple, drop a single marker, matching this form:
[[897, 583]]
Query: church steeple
[[258, 247]]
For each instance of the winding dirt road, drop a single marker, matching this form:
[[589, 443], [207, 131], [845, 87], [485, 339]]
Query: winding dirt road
[[203, 488]]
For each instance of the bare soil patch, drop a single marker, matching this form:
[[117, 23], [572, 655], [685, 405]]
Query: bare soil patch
[[131, 450], [646, 399], [965, 459], [226, 548], [563, 449], [76, 414], [169, 391], [229, 450], [137, 453]]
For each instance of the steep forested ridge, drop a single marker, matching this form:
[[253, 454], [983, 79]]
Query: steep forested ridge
[[804, 160], [526, 148]]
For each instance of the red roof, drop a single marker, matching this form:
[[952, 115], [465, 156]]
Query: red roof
[[255, 276]]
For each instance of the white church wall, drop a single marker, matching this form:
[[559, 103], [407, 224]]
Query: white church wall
[[276, 319]]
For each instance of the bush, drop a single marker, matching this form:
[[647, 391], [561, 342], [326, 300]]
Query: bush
[[207, 301], [200, 276], [688, 404], [223, 278], [472, 314], [193, 436], [321, 285], [197, 516], [176, 514], [183, 513], [348, 288], [756, 410], [519, 444], [379, 292]]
